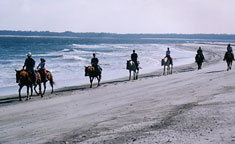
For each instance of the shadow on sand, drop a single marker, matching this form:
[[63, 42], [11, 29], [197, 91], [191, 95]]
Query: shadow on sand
[[211, 72]]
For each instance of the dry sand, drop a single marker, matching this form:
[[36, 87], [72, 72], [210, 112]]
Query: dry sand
[[191, 106]]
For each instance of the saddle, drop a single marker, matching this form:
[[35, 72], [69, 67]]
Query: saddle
[[43, 74], [96, 69], [31, 75]]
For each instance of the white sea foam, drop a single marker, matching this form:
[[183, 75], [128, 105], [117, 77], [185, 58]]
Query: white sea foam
[[67, 64]]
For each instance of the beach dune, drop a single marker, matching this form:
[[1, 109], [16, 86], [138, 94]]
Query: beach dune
[[190, 106]]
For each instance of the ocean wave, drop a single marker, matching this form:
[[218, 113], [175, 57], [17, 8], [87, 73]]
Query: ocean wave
[[73, 57], [66, 50], [89, 46], [49, 55]]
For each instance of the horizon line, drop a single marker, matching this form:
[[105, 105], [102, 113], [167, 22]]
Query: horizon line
[[67, 31]]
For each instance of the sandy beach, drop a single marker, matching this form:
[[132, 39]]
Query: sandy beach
[[190, 106]]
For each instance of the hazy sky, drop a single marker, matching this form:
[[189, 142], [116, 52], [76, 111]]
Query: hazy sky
[[119, 16]]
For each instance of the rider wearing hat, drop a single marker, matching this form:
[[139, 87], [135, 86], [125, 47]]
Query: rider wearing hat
[[29, 64]]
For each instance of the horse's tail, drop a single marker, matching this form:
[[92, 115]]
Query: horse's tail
[[50, 78]]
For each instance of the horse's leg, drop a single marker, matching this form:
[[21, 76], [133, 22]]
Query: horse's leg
[[40, 89], [27, 98], [228, 65], [51, 83], [99, 78], [171, 68], [20, 93], [44, 84], [91, 79], [231, 65], [199, 66], [129, 74], [168, 70], [31, 87], [137, 73], [164, 70], [36, 89], [133, 75]]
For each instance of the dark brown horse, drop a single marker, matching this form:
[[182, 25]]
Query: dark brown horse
[[23, 78], [92, 73], [199, 59], [229, 59], [44, 81]]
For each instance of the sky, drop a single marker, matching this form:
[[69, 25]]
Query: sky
[[119, 16]]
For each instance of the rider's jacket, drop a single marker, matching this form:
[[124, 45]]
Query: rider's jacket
[[134, 57], [29, 63], [94, 61]]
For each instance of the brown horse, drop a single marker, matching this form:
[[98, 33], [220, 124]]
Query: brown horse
[[229, 59], [23, 78], [44, 81], [92, 73]]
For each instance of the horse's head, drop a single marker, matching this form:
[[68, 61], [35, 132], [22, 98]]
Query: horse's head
[[86, 71], [22, 75], [18, 75]]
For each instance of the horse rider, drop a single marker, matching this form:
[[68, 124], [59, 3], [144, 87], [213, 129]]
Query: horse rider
[[94, 63], [199, 51], [29, 64], [134, 57], [230, 50], [168, 52], [42, 69]]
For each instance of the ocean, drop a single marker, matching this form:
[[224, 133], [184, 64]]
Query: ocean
[[67, 56]]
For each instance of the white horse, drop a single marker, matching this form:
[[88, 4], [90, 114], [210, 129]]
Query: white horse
[[130, 65], [166, 62]]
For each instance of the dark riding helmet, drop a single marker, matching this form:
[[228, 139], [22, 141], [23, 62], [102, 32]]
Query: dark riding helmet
[[42, 60]]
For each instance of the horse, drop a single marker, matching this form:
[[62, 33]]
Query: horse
[[23, 78], [199, 60], [229, 59], [92, 73], [166, 62], [44, 81], [131, 66]]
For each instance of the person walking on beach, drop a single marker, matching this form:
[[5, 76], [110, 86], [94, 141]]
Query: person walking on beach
[[134, 57], [168, 54], [94, 63], [29, 64], [42, 69]]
